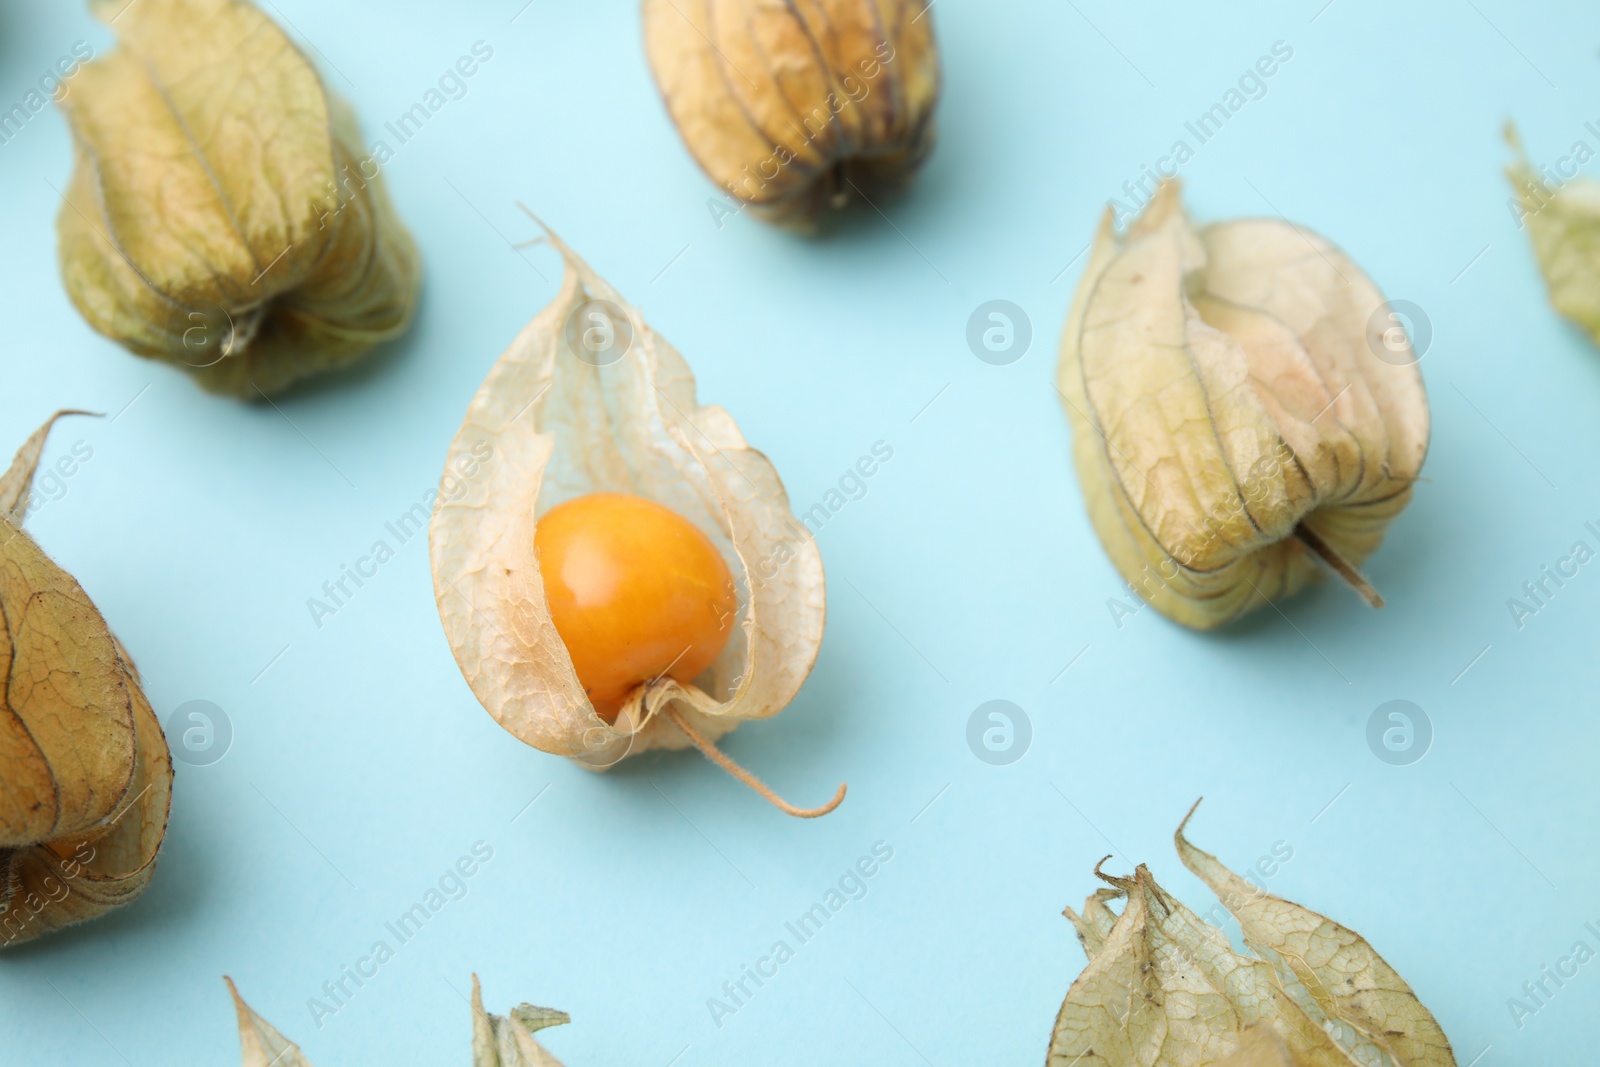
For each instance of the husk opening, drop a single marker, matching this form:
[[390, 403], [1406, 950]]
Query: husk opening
[[553, 421]]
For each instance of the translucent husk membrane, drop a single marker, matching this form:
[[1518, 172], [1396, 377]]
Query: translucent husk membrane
[[557, 418], [1164, 988]]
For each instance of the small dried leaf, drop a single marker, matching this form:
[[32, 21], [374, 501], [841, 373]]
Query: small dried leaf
[[1564, 225], [1163, 988], [499, 1041], [1231, 415], [222, 215], [1329, 970], [794, 108], [548, 425], [16, 482], [1095, 924], [261, 1044], [85, 774]]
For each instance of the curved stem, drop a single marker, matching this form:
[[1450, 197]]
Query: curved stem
[[715, 755], [1338, 564]]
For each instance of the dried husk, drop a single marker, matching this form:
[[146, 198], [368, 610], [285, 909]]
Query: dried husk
[[795, 108], [1164, 988], [260, 1044], [497, 1040], [223, 216], [1564, 225], [1230, 411], [87, 777], [507, 1041], [559, 426]]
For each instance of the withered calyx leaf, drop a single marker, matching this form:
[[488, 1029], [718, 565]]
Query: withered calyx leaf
[[1164, 988], [497, 1040], [222, 215], [1564, 225], [85, 774]]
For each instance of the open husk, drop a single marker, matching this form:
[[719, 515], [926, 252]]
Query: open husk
[[1235, 428], [497, 1040], [548, 425], [794, 109], [85, 774], [1164, 988], [223, 216]]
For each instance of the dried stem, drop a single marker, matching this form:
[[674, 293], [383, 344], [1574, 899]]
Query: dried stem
[[1338, 564], [713, 754]]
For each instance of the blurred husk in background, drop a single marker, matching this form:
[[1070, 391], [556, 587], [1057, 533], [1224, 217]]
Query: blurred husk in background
[[222, 215], [794, 109]]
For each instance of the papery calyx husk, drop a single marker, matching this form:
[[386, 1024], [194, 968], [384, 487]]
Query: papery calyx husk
[[1233, 420], [1563, 222], [507, 1040], [1164, 988], [795, 108], [549, 424], [222, 215], [85, 774], [497, 1040]]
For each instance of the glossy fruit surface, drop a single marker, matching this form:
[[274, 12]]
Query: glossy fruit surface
[[636, 591]]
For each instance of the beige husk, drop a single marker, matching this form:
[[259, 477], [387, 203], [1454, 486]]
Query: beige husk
[[497, 1040], [87, 778], [1564, 225], [796, 108], [1232, 420], [223, 215], [554, 426], [1164, 988]]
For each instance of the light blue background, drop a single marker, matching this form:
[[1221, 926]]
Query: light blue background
[[362, 766]]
